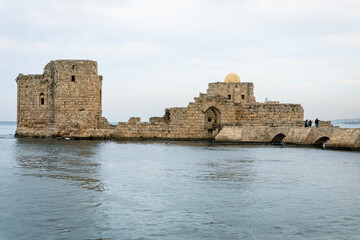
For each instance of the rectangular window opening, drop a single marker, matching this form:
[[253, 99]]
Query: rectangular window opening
[[73, 78], [229, 97], [242, 96], [42, 101]]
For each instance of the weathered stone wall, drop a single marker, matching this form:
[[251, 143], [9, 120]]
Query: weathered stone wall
[[66, 95], [224, 104], [269, 114], [77, 93], [233, 104], [65, 101], [324, 124], [240, 93], [328, 137], [71, 92], [33, 100], [104, 124], [134, 128], [345, 138]]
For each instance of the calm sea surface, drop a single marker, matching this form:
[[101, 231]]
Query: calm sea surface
[[343, 125], [58, 189]]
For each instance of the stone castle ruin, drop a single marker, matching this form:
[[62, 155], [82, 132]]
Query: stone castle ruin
[[65, 101], [67, 95]]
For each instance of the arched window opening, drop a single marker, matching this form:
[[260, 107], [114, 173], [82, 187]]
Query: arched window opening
[[42, 99]]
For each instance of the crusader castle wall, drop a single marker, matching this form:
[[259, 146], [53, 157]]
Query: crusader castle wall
[[228, 103], [65, 101], [66, 95]]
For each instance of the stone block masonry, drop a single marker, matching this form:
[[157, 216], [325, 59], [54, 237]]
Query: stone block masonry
[[66, 101], [324, 137], [66, 95]]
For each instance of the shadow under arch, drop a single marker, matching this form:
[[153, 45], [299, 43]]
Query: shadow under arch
[[278, 138], [213, 118], [321, 141]]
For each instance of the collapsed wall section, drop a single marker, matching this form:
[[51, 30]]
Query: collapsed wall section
[[175, 124]]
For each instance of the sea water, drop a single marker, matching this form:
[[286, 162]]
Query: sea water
[[344, 125], [77, 189]]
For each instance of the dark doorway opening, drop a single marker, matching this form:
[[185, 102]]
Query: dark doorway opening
[[213, 118], [42, 99]]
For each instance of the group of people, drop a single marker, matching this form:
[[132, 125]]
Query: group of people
[[308, 123]]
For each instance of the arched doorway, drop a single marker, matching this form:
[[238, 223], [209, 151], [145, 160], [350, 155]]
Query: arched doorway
[[213, 118]]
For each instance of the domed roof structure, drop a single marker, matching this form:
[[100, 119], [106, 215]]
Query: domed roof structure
[[232, 78]]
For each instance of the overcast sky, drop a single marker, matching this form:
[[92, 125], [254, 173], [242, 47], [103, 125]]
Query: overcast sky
[[159, 54]]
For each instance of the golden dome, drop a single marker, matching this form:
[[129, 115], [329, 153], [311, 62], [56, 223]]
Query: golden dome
[[232, 78]]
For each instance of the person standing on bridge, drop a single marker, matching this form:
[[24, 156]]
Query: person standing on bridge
[[306, 123], [317, 123]]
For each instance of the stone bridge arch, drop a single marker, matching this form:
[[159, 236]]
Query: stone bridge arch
[[278, 138], [278, 134], [321, 141]]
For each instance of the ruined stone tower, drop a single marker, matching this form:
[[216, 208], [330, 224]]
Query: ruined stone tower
[[67, 95]]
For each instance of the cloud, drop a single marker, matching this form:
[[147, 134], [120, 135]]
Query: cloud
[[353, 83], [348, 40], [163, 53]]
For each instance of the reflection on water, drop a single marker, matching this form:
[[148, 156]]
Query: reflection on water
[[229, 170], [60, 159], [58, 189]]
